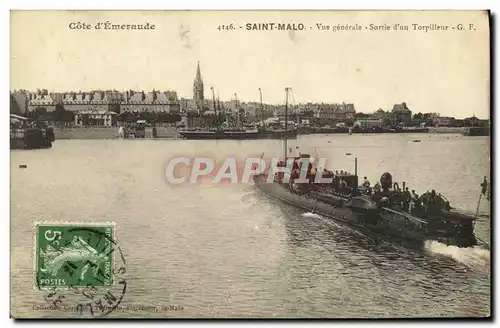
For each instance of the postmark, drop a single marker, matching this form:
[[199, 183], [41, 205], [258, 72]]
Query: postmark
[[79, 266]]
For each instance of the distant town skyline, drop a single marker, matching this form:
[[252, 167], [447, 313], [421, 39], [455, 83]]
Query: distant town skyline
[[445, 73], [210, 100]]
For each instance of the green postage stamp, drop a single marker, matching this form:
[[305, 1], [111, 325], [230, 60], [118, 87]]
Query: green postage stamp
[[74, 254]]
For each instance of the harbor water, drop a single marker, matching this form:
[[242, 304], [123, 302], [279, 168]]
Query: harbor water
[[222, 251]]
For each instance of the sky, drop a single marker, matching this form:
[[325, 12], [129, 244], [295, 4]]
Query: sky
[[446, 72]]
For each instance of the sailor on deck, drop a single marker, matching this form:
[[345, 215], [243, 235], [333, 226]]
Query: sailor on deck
[[484, 188], [414, 195], [406, 199], [366, 186], [413, 201], [343, 185]]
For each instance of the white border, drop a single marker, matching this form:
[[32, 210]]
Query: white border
[[255, 4], [200, 4]]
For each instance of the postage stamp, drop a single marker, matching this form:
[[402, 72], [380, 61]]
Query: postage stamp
[[74, 254]]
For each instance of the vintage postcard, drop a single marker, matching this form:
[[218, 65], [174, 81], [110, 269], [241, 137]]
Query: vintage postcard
[[250, 164]]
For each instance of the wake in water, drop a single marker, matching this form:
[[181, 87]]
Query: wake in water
[[311, 215], [471, 256]]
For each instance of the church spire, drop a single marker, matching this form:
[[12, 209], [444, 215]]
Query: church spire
[[198, 88], [198, 72]]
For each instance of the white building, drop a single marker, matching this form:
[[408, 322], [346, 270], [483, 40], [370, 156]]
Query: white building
[[95, 117], [369, 122]]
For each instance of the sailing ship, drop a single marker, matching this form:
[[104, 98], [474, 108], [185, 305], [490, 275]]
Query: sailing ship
[[239, 133], [386, 212]]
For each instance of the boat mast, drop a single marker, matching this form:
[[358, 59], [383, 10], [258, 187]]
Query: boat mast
[[296, 109], [261, 108], [219, 108], [215, 109], [286, 122], [237, 109], [218, 101]]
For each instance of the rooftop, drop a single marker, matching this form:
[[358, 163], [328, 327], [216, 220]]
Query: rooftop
[[96, 111], [400, 108]]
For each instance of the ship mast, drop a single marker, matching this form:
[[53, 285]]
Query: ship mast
[[219, 108], [286, 122], [218, 100], [237, 109], [215, 109], [261, 108]]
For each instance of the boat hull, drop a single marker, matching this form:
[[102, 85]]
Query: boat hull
[[394, 225]]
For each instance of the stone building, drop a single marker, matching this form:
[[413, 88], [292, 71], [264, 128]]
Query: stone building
[[401, 114], [380, 113], [85, 101], [324, 113], [115, 101], [41, 98], [154, 101], [342, 112]]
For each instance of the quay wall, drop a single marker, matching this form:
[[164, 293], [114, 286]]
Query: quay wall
[[446, 129], [166, 132], [105, 133]]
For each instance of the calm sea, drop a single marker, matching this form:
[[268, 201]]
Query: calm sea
[[228, 251]]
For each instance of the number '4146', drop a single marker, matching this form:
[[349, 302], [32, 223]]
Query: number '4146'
[[226, 27]]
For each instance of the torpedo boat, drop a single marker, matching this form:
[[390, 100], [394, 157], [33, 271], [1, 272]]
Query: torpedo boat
[[385, 210]]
